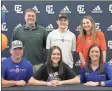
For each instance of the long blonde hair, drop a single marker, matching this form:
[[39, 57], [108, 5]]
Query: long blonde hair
[[93, 29]]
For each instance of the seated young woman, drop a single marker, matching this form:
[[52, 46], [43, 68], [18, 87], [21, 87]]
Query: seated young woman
[[54, 72]]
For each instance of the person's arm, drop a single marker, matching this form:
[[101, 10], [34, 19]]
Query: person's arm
[[29, 71], [48, 41], [74, 48], [102, 44], [38, 77], [7, 83], [44, 39], [73, 43], [71, 76], [82, 58], [104, 56], [82, 75], [80, 49], [107, 82], [75, 80], [15, 34], [109, 74], [33, 81], [91, 83], [73, 53]]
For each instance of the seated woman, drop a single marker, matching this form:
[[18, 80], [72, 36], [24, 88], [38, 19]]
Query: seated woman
[[54, 72], [96, 72]]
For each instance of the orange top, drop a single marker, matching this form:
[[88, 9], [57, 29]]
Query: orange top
[[84, 47]]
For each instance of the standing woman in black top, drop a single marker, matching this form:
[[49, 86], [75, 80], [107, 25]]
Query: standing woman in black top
[[55, 71]]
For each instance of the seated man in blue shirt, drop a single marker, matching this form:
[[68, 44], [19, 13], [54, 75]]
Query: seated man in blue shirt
[[95, 72], [16, 71]]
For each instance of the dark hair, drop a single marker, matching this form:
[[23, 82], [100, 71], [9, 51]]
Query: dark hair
[[49, 61], [101, 65]]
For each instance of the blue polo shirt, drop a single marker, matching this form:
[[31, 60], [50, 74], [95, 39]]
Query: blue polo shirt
[[16, 71], [95, 76]]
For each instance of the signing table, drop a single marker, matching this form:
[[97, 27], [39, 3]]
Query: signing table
[[79, 87]]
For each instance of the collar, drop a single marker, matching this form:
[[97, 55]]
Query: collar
[[63, 31], [34, 27], [92, 69]]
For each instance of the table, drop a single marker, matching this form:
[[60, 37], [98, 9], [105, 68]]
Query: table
[[78, 87]]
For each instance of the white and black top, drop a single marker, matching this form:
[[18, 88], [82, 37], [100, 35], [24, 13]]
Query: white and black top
[[42, 73], [67, 43]]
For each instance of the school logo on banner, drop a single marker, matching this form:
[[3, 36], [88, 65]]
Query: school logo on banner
[[80, 9], [110, 44], [110, 8], [4, 28], [97, 26], [18, 8], [49, 9]]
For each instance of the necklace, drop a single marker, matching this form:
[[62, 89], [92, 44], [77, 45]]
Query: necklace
[[62, 38]]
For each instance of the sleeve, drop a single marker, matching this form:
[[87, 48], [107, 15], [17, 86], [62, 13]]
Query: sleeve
[[4, 68], [109, 74], [14, 35], [30, 71], [40, 72], [82, 76], [48, 41], [69, 72], [45, 37], [79, 44], [102, 41], [74, 43]]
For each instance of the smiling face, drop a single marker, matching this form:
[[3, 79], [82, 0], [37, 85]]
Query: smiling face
[[62, 23], [94, 54], [30, 17], [16, 53], [87, 25], [55, 56]]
